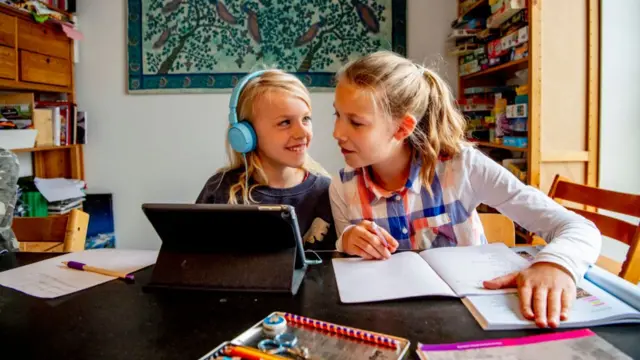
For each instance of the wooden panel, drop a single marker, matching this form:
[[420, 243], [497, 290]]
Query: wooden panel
[[608, 226], [593, 75], [565, 156], [574, 171], [600, 198], [44, 69], [42, 39], [43, 148], [535, 92], [7, 30], [13, 85], [41, 247], [40, 229], [564, 110], [498, 228], [7, 63], [51, 164]]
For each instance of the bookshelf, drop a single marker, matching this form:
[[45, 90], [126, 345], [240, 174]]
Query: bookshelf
[[561, 129], [562, 86], [38, 58]]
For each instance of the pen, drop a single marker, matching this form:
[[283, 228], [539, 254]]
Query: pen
[[250, 354], [80, 266], [382, 238]]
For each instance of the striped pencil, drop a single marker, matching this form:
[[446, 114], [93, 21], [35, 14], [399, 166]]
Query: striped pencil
[[343, 330]]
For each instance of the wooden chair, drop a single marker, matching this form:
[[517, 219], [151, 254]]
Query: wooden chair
[[63, 233], [498, 228], [582, 197]]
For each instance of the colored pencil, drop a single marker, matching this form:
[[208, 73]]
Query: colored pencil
[[83, 267], [248, 353]]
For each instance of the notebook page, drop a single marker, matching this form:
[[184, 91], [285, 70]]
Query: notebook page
[[50, 278], [593, 306], [464, 268], [403, 275]]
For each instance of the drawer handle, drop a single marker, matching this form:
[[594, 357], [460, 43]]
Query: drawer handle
[[45, 31], [48, 60]]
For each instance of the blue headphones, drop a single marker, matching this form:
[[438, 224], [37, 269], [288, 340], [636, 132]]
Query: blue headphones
[[241, 135]]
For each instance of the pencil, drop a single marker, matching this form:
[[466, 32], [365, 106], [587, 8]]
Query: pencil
[[380, 235], [250, 353], [80, 266]]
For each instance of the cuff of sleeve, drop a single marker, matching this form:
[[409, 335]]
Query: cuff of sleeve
[[339, 241], [573, 269]]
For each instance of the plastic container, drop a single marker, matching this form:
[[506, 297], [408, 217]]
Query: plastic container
[[515, 141]]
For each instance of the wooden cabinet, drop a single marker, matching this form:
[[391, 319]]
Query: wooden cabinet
[[36, 57], [7, 63], [44, 69]]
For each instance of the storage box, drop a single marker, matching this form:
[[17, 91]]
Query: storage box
[[515, 141], [517, 111], [18, 139]]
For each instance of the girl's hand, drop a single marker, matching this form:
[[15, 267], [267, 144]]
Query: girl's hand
[[365, 240], [546, 292]]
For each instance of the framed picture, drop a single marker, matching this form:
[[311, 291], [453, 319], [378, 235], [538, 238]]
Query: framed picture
[[208, 45]]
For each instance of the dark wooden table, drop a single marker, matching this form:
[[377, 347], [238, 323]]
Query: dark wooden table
[[120, 321]]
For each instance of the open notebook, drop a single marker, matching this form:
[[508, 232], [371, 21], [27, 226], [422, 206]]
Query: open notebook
[[602, 298], [451, 271]]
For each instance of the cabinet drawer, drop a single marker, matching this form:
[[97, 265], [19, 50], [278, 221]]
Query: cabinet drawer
[[7, 30], [44, 69], [42, 39], [7, 63]]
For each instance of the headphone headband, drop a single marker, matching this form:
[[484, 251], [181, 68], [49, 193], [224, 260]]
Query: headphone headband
[[235, 94]]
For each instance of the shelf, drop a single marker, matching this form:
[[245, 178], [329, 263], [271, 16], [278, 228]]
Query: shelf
[[44, 148], [499, 146], [14, 85], [511, 66]]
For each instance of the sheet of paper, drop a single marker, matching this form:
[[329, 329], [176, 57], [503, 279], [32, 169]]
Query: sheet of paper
[[51, 279], [404, 275], [464, 268], [593, 306], [58, 189]]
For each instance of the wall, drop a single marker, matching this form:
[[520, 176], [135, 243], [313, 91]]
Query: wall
[[162, 148], [619, 103]]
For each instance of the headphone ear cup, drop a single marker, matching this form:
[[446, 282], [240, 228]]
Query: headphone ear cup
[[242, 137]]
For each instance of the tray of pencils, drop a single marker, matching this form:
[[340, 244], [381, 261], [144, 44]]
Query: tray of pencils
[[288, 336]]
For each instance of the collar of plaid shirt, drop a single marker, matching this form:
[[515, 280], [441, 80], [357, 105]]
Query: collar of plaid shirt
[[375, 192]]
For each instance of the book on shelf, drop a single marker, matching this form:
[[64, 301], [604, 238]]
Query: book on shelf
[[433, 272], [602, 298], [581, 344]]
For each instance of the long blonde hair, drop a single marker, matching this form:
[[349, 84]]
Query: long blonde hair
[[400, 87], [263, 85]]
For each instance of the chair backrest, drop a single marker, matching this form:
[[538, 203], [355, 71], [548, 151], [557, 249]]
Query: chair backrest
[[564, 189], [56, 233], [498, 228]]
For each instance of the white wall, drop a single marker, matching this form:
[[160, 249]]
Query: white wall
[[620, 103], [124, 158]]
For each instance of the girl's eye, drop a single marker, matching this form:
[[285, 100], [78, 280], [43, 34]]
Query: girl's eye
[[284, 123], [355, 123], [307, 119]]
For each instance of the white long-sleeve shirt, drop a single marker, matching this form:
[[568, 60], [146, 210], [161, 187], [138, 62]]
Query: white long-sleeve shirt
[[449, 218]]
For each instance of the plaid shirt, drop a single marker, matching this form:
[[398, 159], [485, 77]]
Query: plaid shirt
[[418, 220]]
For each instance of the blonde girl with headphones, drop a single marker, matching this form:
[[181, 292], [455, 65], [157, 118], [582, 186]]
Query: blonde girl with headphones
[[270, 131]]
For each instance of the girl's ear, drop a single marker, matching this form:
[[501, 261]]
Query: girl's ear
[[405, 128]]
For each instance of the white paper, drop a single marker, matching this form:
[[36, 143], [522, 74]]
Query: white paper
[[615, 285], [593, 306], [59, 188], [50, 278], [464, 268], [403, 275]]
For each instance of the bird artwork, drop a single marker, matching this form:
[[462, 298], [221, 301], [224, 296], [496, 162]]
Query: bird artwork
[[163, 38], [171, 6], [224, 13], [202, 45], [310, 34], [367, 16], [252, 23]]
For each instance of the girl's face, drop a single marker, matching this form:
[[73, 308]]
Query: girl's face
[[365, 135], [283, 126]]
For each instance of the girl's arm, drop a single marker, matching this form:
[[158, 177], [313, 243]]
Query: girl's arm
[[573, 241], [339, 211]]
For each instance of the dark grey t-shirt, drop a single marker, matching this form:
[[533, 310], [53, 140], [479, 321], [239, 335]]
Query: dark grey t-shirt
[[310, 199]]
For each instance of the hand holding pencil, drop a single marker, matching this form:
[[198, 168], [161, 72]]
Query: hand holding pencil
[[369, 241]]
